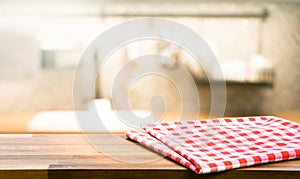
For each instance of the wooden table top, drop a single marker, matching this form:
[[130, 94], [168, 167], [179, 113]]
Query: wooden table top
[[70, 155]]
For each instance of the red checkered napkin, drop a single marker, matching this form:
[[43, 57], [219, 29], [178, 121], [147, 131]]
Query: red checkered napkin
[[223, 144]]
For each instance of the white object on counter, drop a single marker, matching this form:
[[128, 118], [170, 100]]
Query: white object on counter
[[99, 118]]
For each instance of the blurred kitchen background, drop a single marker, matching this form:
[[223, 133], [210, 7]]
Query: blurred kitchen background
[[256, 42]]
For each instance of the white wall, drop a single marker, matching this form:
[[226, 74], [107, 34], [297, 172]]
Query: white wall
[[51, 89]]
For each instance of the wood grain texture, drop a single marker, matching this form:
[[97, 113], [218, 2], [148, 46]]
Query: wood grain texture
[[71, 156]]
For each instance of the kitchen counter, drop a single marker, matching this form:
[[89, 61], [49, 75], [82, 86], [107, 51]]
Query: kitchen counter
[[55, 122], [15, 122], [70, 155], [18, 122]]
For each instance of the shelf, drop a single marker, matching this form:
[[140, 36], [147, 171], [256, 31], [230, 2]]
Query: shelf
[[235, 83]]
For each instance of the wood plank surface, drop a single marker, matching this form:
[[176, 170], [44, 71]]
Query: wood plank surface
[[110, 156]]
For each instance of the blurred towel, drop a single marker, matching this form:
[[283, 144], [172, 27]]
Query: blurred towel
[[223, 144]]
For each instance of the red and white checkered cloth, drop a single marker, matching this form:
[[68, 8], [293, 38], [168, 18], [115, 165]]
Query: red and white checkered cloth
[[223, 144]]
